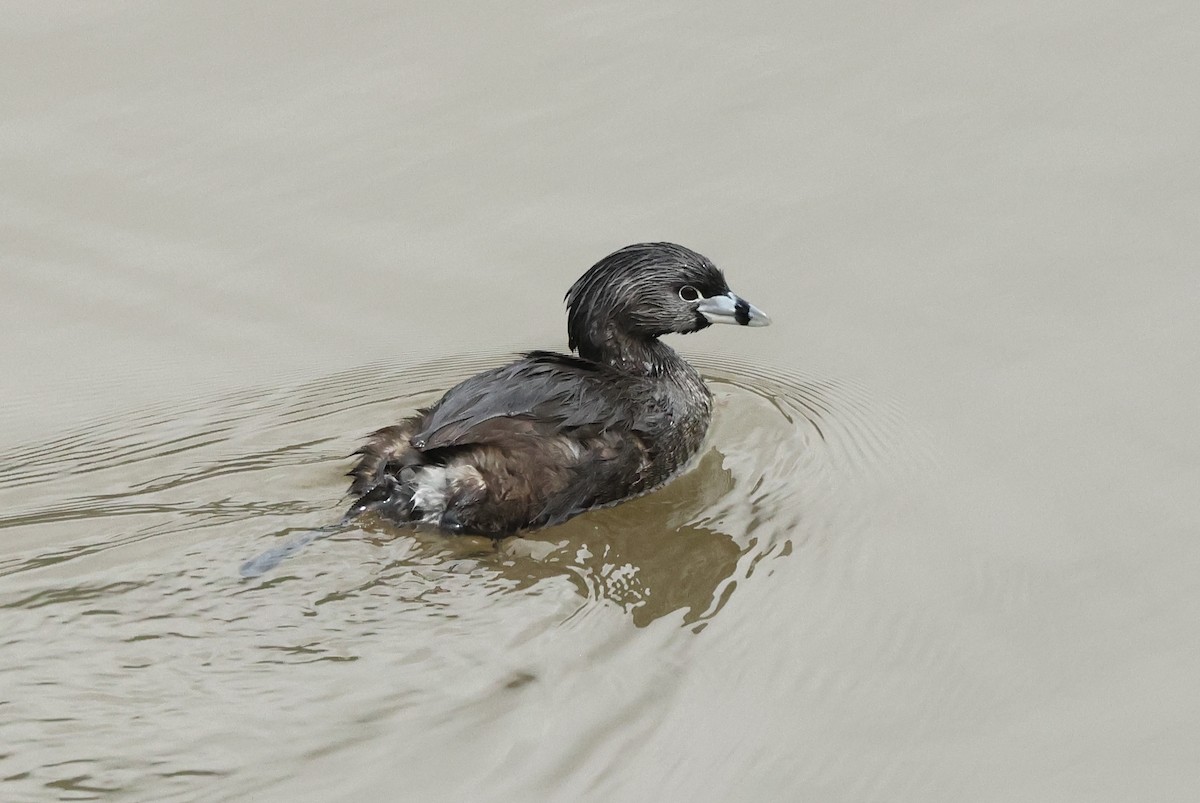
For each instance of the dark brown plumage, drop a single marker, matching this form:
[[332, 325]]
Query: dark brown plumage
[[549, 436]]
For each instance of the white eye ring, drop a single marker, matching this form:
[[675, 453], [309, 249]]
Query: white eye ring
[[689, 293]]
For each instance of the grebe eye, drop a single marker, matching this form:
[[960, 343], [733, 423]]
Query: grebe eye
[[689, 293]]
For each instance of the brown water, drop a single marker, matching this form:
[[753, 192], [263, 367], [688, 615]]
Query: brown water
[[942, 543]]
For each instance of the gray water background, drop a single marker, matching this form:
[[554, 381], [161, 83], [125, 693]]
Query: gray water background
[[234, 238]]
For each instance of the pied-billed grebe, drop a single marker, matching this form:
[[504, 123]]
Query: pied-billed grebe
[[549, 436]]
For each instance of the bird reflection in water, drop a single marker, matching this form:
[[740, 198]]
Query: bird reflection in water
[[648, 556]]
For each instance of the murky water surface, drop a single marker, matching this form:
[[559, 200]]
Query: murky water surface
[[940, 544]]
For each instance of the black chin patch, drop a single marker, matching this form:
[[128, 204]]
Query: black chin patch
[[741, 312]]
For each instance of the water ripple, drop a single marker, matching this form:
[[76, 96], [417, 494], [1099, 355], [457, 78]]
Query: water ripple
[[139, 524]]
